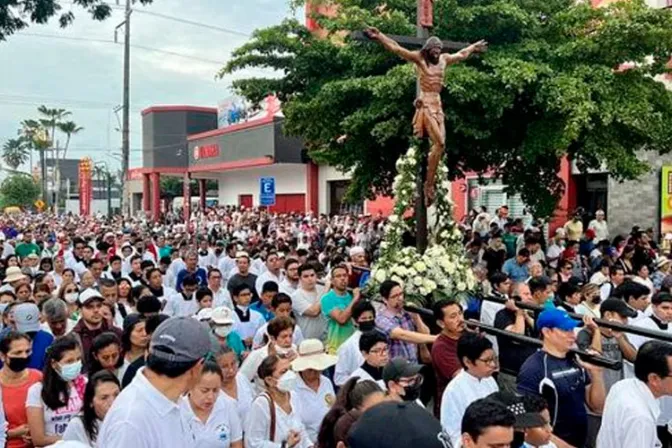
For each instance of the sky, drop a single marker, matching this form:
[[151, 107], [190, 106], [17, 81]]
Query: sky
[[84, 76]]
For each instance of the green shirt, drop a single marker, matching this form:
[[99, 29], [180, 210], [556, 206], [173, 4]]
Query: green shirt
[[337, 334], [24, 249]]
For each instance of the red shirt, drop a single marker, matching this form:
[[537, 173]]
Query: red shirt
[[446, 365], [14, 402]]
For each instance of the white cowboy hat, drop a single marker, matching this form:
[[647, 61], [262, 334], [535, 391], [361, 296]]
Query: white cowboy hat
[[13, 274], [313, 356]]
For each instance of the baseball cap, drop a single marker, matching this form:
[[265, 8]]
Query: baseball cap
[[400, 368], [88, 295], [617, 306], [555, 318], [204, 314], [27, 317], [514, 403], [180, 339], [397, 425], [222, 316]]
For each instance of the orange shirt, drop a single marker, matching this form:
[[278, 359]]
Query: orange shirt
[[14, 401]]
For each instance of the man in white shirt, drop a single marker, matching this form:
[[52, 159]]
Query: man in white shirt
[[228, 262], [632, 407], [272, 273], [475, 381], [599, 226], [183, 303], [146, 414], [349, 355], [306, 304], [556, 248], [290, 283], [221, 296], [206, 258]]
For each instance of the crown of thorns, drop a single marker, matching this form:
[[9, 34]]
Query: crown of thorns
[[432, 42]]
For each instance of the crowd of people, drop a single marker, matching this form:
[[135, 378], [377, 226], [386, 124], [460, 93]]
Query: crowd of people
[[247, 329]]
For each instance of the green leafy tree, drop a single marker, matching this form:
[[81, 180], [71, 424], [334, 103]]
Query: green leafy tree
[[547, 88], [15, 152], [19, 190], [16, 15]]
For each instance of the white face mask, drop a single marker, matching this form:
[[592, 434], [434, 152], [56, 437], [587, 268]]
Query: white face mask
[[223, 330], [71, 297], [287, 382]]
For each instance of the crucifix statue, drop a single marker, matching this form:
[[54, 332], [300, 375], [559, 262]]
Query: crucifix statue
[[430, 65]]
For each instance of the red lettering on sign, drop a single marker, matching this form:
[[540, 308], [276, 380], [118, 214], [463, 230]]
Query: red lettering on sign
[[206, 151]]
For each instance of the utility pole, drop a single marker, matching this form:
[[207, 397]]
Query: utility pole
[[125, 140]]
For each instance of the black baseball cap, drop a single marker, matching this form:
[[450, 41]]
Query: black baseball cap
[[617, 306], [396, 424], [400, 368], [514, 403]]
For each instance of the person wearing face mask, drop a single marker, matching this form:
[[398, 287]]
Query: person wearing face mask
[[274, 420], [475, 381], [211, 415], [27, 320], [224, 335], [314, 391], [147, 412], [349, 355], [16, 378], [55, 400], [280, 332], [590, 301], [403, 381], [101, 391], [69, 293]]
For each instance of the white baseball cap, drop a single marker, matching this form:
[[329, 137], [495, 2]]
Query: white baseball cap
[[222, 316]]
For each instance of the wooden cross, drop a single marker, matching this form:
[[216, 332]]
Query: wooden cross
[[413, 43]]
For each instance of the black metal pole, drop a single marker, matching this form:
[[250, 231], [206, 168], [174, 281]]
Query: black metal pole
[[653, 334]]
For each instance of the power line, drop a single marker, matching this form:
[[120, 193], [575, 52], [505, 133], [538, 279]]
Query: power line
[[191, 22], [105, 41]]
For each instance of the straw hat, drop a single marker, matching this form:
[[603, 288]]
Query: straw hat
[[13, 274], [313, 356]]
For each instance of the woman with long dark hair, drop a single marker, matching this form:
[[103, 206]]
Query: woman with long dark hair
[[352, 400], [134, 341], [101, 391], [106, 353], [52, 402], [125, 297]]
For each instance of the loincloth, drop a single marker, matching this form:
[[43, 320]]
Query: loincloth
[[428, 109]]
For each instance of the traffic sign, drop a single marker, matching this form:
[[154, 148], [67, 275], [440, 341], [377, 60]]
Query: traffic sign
[[267, 191]]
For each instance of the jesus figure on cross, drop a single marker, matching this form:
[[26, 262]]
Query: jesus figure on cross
[[430, 66]]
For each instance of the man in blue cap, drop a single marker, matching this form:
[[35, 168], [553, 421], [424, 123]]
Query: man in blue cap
[[566, 383]]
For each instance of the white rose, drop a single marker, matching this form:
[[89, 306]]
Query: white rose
[[461, 286], [423, 291], [380, 275], [410, 153], [397, 279], [450, 268], [393, 218], [420, 266], [417, 281], [430, 285], [412, 272]]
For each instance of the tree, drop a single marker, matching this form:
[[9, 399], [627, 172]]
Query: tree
[[51, 119], [19, 190], [16, 15], [15, 152], [37, 138], [547, 88], [69, 128]]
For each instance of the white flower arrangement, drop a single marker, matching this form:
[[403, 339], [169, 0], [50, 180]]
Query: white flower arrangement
[[442, 271]]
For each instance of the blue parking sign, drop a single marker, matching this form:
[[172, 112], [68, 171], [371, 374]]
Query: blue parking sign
[[267, 191]]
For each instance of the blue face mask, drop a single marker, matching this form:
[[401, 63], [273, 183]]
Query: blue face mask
[[70, 371]]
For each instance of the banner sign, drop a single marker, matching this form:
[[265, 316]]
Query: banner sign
[[85, 186], [666, 201], [206, 151], [267, 191]]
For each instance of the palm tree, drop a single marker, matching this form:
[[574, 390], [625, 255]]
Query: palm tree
[[15, 152], [51, 119], [38, 139], [69, 128]]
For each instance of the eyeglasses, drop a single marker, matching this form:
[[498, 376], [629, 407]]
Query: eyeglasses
[[493, 361], [380, 351]]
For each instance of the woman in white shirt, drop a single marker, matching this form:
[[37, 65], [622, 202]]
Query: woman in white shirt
[[52, 403], [101, 391], [234, 383], [211, 415], [314, 391], [274, 420]]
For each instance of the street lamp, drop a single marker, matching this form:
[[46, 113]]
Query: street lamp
[[109, 187]]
